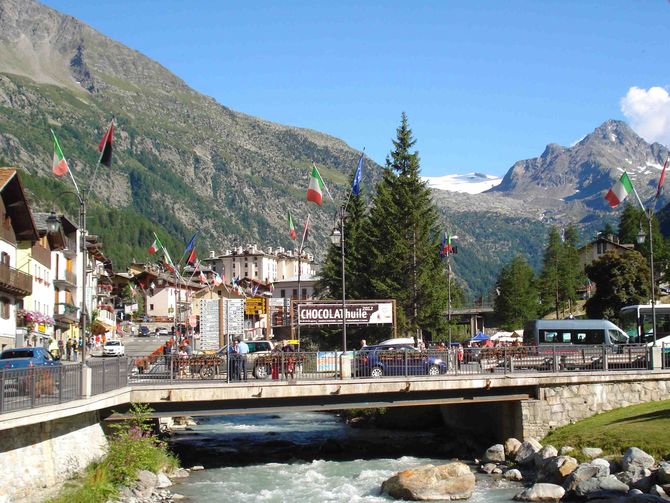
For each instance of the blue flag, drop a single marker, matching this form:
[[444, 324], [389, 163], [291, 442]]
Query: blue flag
[[190, 244], [356, 185]]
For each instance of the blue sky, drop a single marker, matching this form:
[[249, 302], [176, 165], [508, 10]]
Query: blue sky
[[484, 83]]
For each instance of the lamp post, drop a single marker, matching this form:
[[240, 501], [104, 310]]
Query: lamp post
[[640, 240], [53, 223], [337, 238]]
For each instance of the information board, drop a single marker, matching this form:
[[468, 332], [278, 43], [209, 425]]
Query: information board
[[209, 324], [254, 306], [233, 318]]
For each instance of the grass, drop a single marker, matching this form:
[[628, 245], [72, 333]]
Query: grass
[[646, 426]]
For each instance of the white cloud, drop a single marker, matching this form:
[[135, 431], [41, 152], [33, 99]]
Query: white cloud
[[648, 112]]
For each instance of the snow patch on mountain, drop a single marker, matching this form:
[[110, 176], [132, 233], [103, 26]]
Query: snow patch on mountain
[[470, 183]]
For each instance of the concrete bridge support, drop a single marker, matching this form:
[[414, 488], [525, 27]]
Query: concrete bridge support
[[488, 422], [36, 459]]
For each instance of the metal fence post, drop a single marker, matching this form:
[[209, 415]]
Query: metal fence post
[[2, 390], [31, 373], [60, 384], [605, 363]]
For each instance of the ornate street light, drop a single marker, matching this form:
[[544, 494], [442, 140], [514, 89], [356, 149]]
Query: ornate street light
[[337, 238], [53, 223]]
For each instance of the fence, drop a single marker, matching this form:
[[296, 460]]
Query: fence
[[39, 386], [108, 374]]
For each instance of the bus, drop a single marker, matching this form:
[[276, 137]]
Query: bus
[[573, 332], [637, 320]]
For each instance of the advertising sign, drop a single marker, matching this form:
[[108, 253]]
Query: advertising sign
[[254, 306], [358, 313]]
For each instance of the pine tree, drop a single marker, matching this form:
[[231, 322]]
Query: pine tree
[[400, 243], [517, 298]]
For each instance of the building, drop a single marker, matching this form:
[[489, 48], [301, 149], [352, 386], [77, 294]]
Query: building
[[599, 246], [15, 285], [99, 289]]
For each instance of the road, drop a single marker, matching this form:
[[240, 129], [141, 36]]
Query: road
[[138, 346]]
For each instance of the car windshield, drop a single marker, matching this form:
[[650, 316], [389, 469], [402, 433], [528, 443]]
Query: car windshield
[[112, 343], [16, 353]]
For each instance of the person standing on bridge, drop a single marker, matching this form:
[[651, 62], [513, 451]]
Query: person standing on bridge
[[243, 350]]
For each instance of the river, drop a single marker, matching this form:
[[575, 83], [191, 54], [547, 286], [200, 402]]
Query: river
[[304, 457]]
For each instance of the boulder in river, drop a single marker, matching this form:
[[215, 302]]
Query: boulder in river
[[453, 481], [494, 454], [526, 452], [511, 446], [541, 492]]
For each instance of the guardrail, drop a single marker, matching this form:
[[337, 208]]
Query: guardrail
[[39, 386], [36, 387]]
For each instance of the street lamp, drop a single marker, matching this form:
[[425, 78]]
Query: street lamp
[[337, 238], [640, 240]]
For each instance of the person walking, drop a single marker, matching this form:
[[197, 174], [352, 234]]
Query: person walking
[[61, 348], [68, 349], [289, 369], [242, 350], [233, 361]]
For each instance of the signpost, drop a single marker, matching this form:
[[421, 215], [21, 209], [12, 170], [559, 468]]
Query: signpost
[[254, 306], [358, 313]]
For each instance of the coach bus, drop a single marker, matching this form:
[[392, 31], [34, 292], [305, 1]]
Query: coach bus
[[636, 321]]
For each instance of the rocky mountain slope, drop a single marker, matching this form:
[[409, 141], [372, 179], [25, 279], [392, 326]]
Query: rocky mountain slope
[[183, 162]]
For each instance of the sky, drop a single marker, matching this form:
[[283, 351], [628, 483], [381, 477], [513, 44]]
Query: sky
[[483, 83]]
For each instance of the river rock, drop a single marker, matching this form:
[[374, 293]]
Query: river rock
[[526, 452], [162, 481], [603, 466], [197, 468], [146, 480], [635, 458], [453, 481], [592, 452], [547, 452], [657, 490], [663, 473], [640, 498], [565, 450], [487, 468], [541, 492], [179, 473], [511, 447], [581, 473], [556, 469], [513, 474], [610, 485], [494, 454]]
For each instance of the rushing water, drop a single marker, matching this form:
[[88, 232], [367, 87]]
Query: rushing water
[[302, 457]]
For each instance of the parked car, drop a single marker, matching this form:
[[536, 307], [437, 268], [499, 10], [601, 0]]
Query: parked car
[[113, 348], [162, 331], [143, 331], [208, 366], [23, 358], [381, 360]]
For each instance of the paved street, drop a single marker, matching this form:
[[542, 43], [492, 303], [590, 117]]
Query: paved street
[[138, 346]]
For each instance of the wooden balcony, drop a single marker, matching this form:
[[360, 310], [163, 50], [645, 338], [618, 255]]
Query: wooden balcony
[[41, 254], [65, 313], [15, 282], [66, 279]]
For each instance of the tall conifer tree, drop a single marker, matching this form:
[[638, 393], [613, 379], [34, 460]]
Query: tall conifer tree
[[400, 243]]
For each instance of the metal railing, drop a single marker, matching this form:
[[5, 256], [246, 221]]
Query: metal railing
[[36, 387], [39, 386], [108, 374]]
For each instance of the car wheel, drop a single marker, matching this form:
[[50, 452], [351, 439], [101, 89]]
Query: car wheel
[[433, 370], [376, 372], [207, 373], [261, 372]]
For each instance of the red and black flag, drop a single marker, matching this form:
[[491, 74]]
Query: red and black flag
[[105, 147]]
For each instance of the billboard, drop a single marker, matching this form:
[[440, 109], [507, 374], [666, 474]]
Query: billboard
[[358, 313]]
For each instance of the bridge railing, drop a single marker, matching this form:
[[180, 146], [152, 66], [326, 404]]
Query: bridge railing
[[108, 373], [39, 386]]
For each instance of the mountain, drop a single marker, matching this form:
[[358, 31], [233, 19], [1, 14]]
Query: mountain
[[182, 161], [565, 185]]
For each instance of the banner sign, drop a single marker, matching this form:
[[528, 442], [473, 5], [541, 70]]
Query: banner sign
[[359, 313]]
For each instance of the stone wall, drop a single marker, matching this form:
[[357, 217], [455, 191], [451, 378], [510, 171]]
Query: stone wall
[[565, 404], [35, 460]]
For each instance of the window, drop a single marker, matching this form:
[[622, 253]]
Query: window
[[4, 307], [4, 258], [548, 336], [282, 293], [151, 307]]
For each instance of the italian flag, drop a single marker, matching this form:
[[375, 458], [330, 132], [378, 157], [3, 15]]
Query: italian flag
[[316, 185], [620, 191], [59, 166], [155, 246], [291, 227]]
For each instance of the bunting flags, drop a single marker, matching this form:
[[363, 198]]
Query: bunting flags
[[447, 248], [620, 191], [105, 147], [217, 279], [191, 244], [155, 246], [659, 190], [356, 184], [291, 227], [59, 165], [191, 258], [305, 232], [316, 186]]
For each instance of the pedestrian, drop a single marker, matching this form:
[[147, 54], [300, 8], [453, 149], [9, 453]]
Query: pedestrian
[[74, 350], [289, 361], [276, 361], [242, 350], [68, 349], [363, 343], [61, 348], [234, 362]]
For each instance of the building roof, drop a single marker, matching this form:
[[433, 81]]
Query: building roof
[[16, 205]]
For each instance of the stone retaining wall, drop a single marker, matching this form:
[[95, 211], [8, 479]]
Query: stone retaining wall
[[565, 404], [35, 460]]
